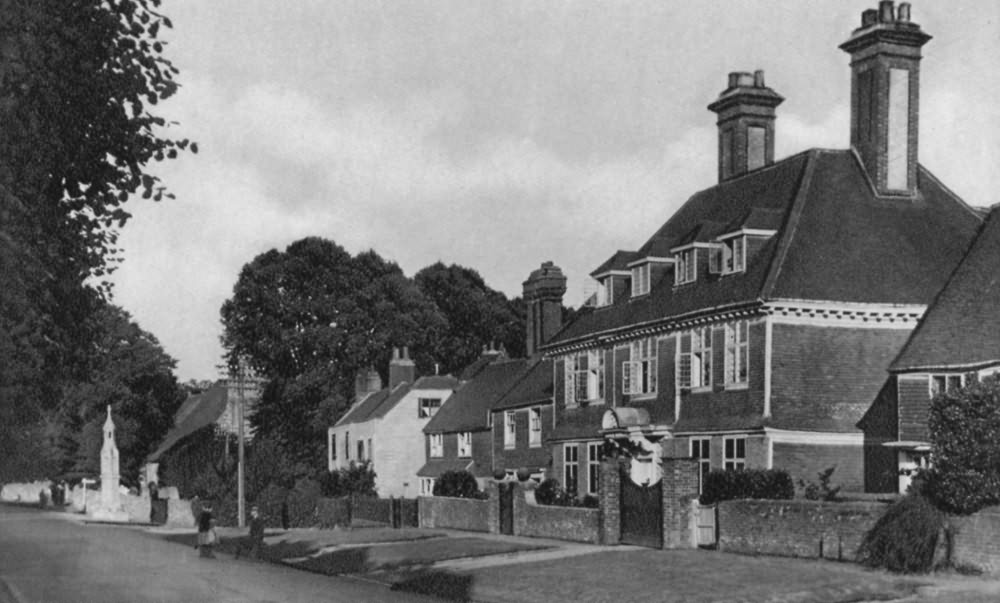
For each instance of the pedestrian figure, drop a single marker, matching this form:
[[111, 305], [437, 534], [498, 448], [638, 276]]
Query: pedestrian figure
[[207, 537], [255, 541]]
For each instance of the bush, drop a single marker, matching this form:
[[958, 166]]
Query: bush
[[821, 490], [964, 423], [269, 502], [905, 538], [749, 483], [457, 484], [358, 479], [302, 502], [550, 493]]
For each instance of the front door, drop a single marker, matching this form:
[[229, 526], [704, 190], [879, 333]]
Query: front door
[[641, 512]]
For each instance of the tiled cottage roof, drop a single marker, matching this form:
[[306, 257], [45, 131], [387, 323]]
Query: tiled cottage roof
[[468, 408], [197, 411], [619, 261], [535, 387], [435, 467], [961, 329], [836, 241], [436, 382], [375, 404]]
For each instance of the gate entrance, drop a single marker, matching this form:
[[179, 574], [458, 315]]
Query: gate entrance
[[506, 508], [641, 512], [707, 521]]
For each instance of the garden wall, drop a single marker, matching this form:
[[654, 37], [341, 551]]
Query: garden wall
[[977, 540], [455, 513], [796, 528], [566, 523], [24, 492], [369, 508], [332, 512], [179, 513]]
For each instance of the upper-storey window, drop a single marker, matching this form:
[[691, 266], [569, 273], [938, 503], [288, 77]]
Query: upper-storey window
[[437, 444], [509, 429], [734, 253], [946, 383], [736, 356], [639, 373], [428, 407], [535, 427], [640, 280], [585, 378], [695, 359], [686, 270], [605, 293], [465, 444]]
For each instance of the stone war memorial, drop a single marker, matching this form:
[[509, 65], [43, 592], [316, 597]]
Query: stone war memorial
[[109, 506]]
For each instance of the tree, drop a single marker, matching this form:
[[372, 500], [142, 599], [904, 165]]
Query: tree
[[476, 315], [965, 448], [307, 319], [79, 79]]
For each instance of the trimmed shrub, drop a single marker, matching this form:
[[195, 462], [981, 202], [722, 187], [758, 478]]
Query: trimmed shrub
[[457, 484], [550, 493], [772, 484], [821, 490], [905, 538], [358, 479], [302, 502], [269, 503], [964, 424]]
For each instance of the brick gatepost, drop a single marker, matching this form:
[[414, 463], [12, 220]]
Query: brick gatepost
[[680, 488], [493, 508], [609, 497]]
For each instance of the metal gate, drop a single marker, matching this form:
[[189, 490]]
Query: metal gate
[[708, 533], [641, 512], [506, 508]]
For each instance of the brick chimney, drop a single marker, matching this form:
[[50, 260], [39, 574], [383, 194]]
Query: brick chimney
[[746, 124], [885, 96], [543, 295], [366, 382], [401, 368]]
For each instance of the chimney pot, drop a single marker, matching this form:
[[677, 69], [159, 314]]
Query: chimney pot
[[734, 79], [406, 353], [758, 79], [903, 14], [869, 17], [886, 11]]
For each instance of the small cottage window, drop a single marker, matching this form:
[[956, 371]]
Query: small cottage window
[[428, 407], [535, 427], [509, 429], [686, 270], [734, 255], [584, 379], [735, 454], [465, 444], [437, 444]]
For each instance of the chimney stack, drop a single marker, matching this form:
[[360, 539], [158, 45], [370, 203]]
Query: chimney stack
[[746, 124], [543, 295], [401, 368], [366, 382], [885, 96]]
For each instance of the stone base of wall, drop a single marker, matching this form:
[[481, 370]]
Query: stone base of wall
[[796, 528], [454, 513], [564, 523], [25, 493]]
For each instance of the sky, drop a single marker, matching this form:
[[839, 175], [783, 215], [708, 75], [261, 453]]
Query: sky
[[495, 135]]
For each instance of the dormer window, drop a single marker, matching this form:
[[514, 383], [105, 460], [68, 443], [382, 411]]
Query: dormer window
[[686, 270], [734, 253], [640, 280]]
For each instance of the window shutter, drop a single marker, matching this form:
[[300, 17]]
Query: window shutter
[[651, 367], [569, 382], [715, 260], [627, 377]]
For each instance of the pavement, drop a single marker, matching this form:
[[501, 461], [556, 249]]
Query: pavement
[[474, 566]]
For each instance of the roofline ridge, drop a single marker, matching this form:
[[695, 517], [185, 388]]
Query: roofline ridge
[[951, 193], [789, 225]]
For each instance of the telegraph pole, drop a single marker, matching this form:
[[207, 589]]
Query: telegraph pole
[[240, 473]]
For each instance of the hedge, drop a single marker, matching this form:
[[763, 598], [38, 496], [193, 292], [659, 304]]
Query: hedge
[[748, 483]]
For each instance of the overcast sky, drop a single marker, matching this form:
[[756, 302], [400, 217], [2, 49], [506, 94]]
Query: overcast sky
[[495, 135]]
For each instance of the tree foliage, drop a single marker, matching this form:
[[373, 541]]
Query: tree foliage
[[78, 81], [965, 448], [906, 538], [457, 484]]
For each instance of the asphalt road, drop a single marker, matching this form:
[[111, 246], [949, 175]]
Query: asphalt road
[[46, 558]]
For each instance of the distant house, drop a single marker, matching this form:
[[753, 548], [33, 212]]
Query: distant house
[[522, 420], [755, 326], [385, 426], [957, 340]]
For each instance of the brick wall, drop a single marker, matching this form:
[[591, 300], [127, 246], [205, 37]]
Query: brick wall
[[454, 513], [805, 461], [565, 523], [796, 528], [609, 500], [976, 541], [680, 487]]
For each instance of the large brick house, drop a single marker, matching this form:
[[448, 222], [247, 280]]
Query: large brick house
[[385, 426], [957, 340], [754, 328]]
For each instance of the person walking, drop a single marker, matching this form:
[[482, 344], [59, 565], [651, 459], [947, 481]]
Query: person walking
[[207, 536], [254, 542]]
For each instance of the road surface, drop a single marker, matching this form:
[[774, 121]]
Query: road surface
[[48, 558]]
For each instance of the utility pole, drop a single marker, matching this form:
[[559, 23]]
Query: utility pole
[[240, 472]]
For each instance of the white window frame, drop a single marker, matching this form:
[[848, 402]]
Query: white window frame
[[571, 468], [938, 382], [639, 375], [734, 459], [734, 254], [370, 450], [509, 429], [427, 486], [584, 378], [437, 445], [535, 427], [333, 447], [640, 279], [593, 467], [736, 370], [428, 407], [694, 370], [701, 451], [686, 270], [464, 444]]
